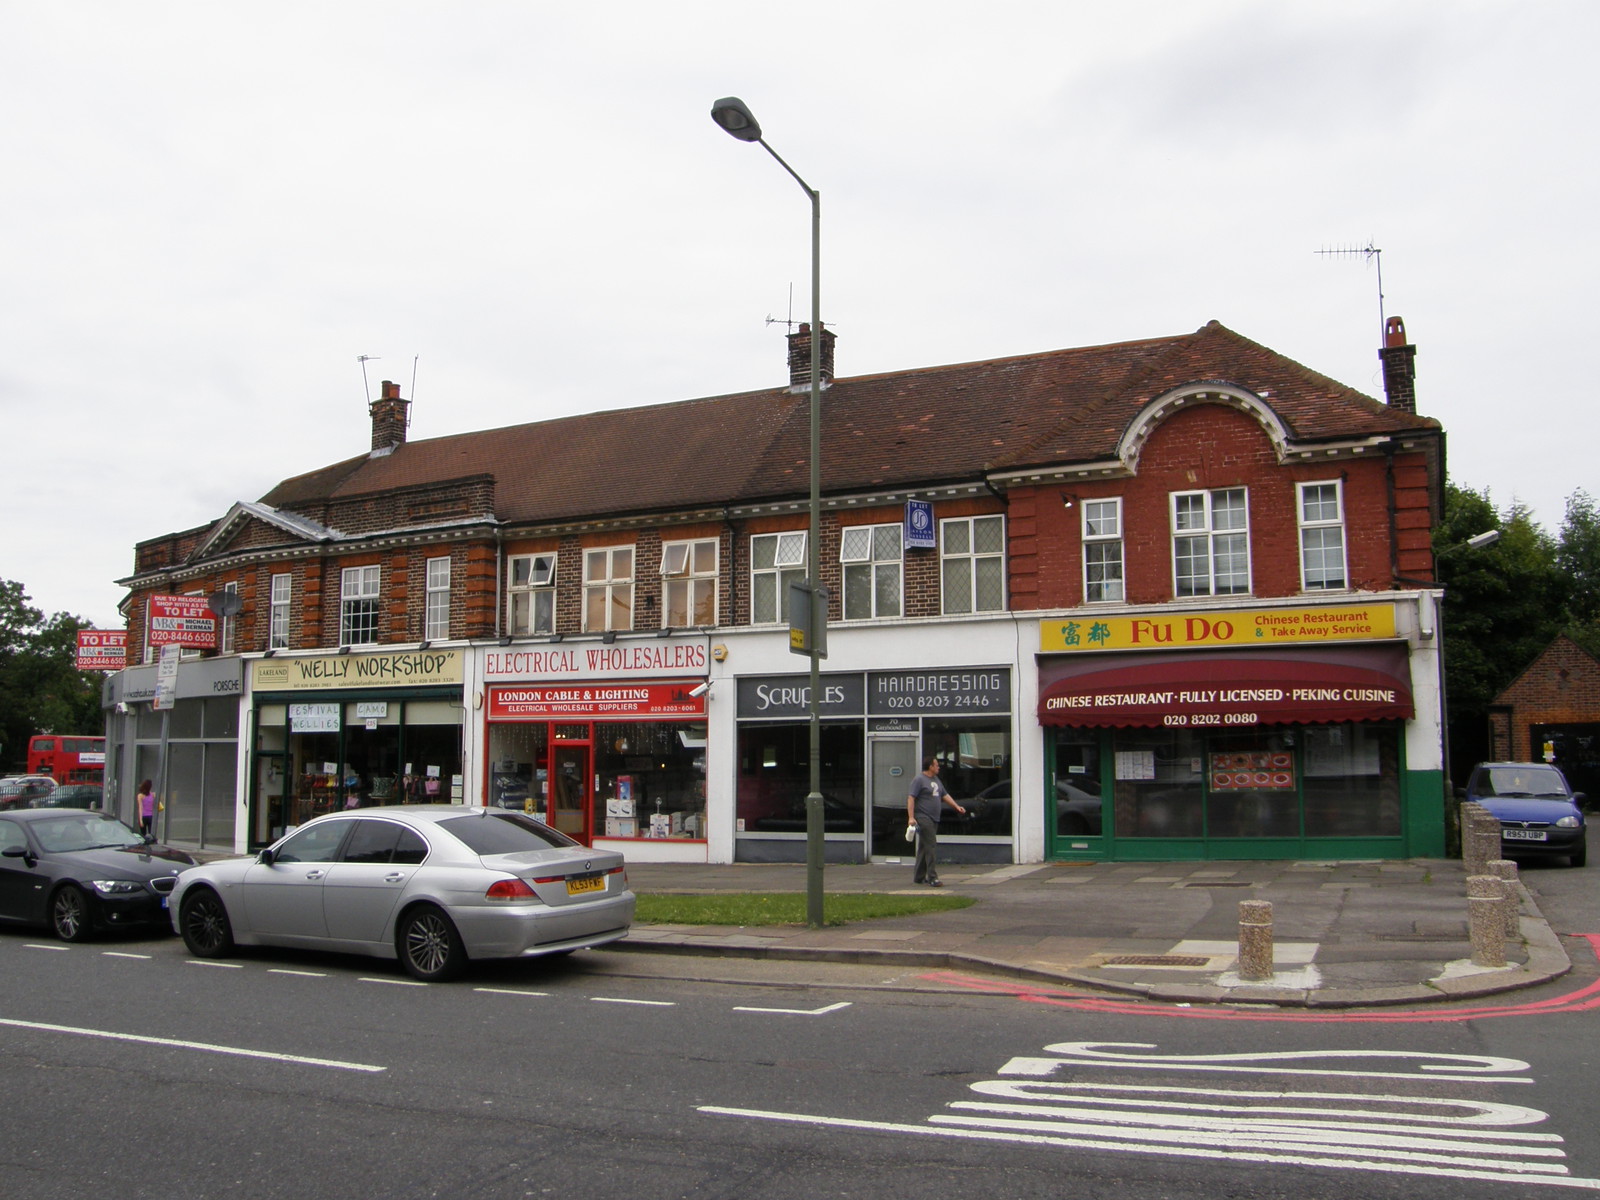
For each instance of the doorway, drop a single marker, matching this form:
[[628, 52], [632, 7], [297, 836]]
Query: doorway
[[569, 791], [894, 762]]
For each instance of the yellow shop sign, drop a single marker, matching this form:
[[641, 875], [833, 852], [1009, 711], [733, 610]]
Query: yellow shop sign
[[1224, 627], [404, 668]]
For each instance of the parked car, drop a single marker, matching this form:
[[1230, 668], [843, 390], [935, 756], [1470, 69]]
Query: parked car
[[1539, 813], [72, 795], [20, 791], [81, 872], [436, 886]]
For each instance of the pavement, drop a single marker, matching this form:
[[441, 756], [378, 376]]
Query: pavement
[[1345, 934]]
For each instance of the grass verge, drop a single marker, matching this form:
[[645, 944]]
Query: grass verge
[[785, 908]]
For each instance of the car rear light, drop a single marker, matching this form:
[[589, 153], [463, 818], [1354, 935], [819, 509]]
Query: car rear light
[[510, 889]]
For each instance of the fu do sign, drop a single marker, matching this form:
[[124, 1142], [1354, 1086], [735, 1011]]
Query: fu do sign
[[184, 621]]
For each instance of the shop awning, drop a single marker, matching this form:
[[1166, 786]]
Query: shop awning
[[1222, 691]]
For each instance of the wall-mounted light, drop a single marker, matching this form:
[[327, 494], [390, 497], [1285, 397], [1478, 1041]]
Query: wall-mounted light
[[1068, 499], [344, 649], [663, 632], [558, 637], [505, 639], [270, 653], [424, 644], [609, 636]]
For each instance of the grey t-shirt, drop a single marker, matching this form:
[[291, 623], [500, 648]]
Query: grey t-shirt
[[929, 795]]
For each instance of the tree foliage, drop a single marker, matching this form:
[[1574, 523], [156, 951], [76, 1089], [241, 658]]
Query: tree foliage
[[41, 689]]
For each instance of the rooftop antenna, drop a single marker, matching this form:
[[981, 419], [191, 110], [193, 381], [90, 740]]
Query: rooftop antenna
[[414, 358], [788, 321], [364, 359], [1372, 254]]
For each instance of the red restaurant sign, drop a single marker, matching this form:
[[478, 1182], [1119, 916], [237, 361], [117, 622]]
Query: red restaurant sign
[[185, 621], [1216, 691], [102, 649], [596, 700]]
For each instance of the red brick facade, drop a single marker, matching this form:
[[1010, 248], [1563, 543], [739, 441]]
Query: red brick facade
[[1560, 687]]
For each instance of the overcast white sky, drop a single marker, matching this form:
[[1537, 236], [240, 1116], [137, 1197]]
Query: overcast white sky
[[208, 211]]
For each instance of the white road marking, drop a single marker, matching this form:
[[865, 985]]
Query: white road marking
[[508, 992], [201, 962], [391, 982], [620, 1000], [41, 946], [795, 1012], [287, 971], [1473, 1068], [122, 954], [179, 1044]]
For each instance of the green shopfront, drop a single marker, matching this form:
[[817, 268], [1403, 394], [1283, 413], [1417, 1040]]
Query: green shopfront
[[1238, 734]]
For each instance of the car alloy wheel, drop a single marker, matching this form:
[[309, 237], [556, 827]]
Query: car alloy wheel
[[69, 914], [430, 948], [204, 924]]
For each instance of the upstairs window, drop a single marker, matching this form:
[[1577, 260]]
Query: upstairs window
[[1210, 543], [689, 584], [358, 606], [531, 594], [228, 643], [972, 564], [282, 594], [608, 589], [776, 561], [871, 558], [1102, 551], [436, 617], [1322, 564]]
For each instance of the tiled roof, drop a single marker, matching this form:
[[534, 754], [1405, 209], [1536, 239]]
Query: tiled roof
[[897, 430]]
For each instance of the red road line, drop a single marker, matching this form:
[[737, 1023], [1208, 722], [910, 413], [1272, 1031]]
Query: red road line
[[1580, 1000]]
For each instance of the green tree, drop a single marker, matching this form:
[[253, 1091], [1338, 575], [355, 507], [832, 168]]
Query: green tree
[[41, 689], [1578, 558]]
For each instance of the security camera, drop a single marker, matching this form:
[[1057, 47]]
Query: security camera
[[122, 707], [700, 689]]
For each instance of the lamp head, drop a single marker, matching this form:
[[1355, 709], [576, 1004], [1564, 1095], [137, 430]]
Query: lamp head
[[735, 116]]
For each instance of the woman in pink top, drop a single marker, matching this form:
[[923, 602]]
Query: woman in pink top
[[147, 809]]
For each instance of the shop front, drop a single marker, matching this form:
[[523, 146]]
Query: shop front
[[338, 731], [877, 729], [1284, 734], [606, 744]]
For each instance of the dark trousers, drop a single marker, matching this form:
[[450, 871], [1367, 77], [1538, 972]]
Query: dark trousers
[[927, 869]]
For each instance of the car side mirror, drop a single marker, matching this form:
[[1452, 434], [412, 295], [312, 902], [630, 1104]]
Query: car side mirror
[[266, 858], [15, 852], [1581, 799]]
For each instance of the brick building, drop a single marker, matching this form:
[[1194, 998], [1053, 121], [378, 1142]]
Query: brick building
[[1164, 607], [1551, 713]]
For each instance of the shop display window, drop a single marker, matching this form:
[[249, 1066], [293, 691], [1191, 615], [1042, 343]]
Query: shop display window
[[1351, 780], [775, 776], [519, 773], [975, 766], [1252, 785], [1158, 784], [650, 780]]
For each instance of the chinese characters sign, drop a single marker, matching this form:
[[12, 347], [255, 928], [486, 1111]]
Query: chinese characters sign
[[1232, 627]]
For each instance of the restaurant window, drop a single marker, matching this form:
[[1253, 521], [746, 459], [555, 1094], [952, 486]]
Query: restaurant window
[[1102, 551], [608, 589], [689, 584], [282, 592], [1321, 536], [1350, 777], [531, 594], [1159, 788], [973, 564], [776, 561], [871, 558], [1077, 805], [358, 606], [436, 621], [1210, 543]]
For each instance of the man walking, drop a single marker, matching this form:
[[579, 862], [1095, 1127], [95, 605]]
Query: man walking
[[924, 806]]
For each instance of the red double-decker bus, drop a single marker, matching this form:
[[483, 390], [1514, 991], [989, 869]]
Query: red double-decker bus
[[67, 758]]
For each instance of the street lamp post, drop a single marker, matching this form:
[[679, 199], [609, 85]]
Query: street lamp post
[[735, 117]]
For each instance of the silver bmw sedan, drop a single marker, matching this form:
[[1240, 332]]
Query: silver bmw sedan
[[435, 886]]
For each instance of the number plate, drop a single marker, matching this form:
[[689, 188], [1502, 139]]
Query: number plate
[[1524, 835], [585, 883]]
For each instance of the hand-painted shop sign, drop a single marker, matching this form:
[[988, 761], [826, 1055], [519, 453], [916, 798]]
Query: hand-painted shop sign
[[314, 718], [598, 701], [950, 690], [327, 672], [1225, 627], [185, 621], [790, 696], [656, 657], [102, 649], [1217, 691]]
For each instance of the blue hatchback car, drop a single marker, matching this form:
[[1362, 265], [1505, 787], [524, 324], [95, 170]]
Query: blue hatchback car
[[1539, 813]]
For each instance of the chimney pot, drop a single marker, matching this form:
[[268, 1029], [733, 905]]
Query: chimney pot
[[390, 416], [800, 357], [1399, 367]]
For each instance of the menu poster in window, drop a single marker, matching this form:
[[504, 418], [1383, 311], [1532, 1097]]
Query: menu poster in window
[[1136, 764], [1255, 770]]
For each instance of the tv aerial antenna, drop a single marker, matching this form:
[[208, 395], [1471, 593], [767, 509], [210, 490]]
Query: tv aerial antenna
[[788, 322], [1373, 254], [364, 359]]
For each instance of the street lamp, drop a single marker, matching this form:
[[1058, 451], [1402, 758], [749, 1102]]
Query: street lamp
[[733, 115]]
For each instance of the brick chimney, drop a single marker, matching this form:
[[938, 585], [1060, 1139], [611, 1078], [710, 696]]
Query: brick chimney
[[800, 358], [1399, 367], [390, 416]]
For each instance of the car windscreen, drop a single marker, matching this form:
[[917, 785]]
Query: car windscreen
[[63, 835], [1523, 781], [503, 833]]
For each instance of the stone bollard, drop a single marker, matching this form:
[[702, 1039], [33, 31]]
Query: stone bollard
[[1471, 838], [1506, 872], [1255, 940], [1484, 842], [1486, 922]]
